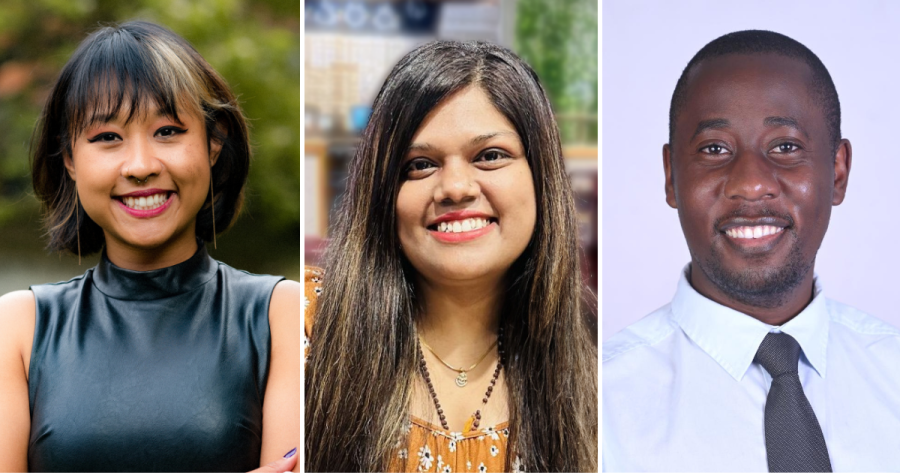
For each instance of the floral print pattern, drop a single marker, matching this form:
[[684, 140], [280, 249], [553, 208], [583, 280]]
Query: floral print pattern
[[483, 450]]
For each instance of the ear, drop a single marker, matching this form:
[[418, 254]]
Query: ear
[[215, 144], [215, 147], [843, 157], [670, 182], [69, 164]]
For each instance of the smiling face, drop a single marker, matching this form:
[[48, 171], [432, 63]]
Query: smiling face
[[466, 207], [143, 183], [753, 173]]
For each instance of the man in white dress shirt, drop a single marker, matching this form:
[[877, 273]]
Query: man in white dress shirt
[[754, 163]]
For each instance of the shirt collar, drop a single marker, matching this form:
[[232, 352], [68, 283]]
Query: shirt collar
[[732, 338]]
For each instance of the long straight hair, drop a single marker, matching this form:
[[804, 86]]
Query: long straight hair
[[363, 348]]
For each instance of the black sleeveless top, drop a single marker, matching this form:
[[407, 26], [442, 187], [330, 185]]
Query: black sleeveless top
[[161, 370]]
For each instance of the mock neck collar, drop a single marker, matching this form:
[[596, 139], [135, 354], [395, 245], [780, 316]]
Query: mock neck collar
[[732, 338], [120, 283]]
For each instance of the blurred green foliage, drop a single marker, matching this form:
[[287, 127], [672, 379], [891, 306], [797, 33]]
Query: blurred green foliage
[[558, 38], [255, 46]]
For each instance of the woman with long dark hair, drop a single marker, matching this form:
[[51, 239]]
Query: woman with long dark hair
[[447, 331], [159, 358]]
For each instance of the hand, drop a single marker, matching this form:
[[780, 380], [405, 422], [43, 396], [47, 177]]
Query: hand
[[281, 465]]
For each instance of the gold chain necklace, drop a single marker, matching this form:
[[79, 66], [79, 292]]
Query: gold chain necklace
[[463, 378]]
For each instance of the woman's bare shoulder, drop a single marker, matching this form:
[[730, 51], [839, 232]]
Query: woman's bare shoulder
[[17, 315], [284, 315], [17, 325], [285, 300], [17, 300]]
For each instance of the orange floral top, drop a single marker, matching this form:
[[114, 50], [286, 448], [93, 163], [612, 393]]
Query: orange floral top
[[427, 447]]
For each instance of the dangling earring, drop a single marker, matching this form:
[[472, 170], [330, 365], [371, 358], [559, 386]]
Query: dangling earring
[[77, 227], [212, 199]]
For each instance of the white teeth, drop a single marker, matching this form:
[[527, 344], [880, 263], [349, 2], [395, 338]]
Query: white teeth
[[147, 202], [757, 231], [460, 226]]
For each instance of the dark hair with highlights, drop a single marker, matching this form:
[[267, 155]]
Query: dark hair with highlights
[[362, 362], [134, 69], [765, 42]]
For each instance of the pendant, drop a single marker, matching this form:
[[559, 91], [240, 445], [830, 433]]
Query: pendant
[[462, 379]]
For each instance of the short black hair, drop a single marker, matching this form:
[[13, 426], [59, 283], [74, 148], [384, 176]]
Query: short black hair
[[132, 67], [765, 42]]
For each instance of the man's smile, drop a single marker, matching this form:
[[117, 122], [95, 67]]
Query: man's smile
[[748, 231], [757, 233]]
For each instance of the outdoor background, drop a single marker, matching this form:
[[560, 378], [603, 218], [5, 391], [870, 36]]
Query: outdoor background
[[350, 46], [646, 44], [253, 44]]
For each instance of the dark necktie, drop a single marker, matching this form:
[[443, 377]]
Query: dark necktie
[[794, 440]]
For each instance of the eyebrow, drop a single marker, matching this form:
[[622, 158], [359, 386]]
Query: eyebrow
[[473, 142], [420, 147], [784, 121], [711, 124]]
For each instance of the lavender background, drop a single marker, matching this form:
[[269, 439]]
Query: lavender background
[[646, 44]]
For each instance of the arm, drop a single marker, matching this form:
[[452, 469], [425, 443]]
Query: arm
[[16, 333], [281, 407]]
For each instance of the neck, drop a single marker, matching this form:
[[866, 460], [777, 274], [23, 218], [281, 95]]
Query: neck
[[460, 322], [774, 311], [137, 258]]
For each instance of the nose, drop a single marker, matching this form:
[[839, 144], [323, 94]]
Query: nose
[[457, 183], [141, 161], [752, 177]]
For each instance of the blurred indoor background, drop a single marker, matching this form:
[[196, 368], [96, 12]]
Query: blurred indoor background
[[255, 46], [350, 46]]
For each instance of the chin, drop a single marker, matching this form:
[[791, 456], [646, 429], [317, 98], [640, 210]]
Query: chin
[[148, 240], [469, 274], [765, 286], [460, 271]]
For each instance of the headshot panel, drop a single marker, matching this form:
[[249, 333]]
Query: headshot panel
[[128, 340], [642, 239], [765, 351], [452, 308]]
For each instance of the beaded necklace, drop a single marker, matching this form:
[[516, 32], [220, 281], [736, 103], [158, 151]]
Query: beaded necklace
[[475, 420]]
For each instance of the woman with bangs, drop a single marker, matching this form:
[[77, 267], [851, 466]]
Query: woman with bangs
[[450, 328], [159, 358]]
